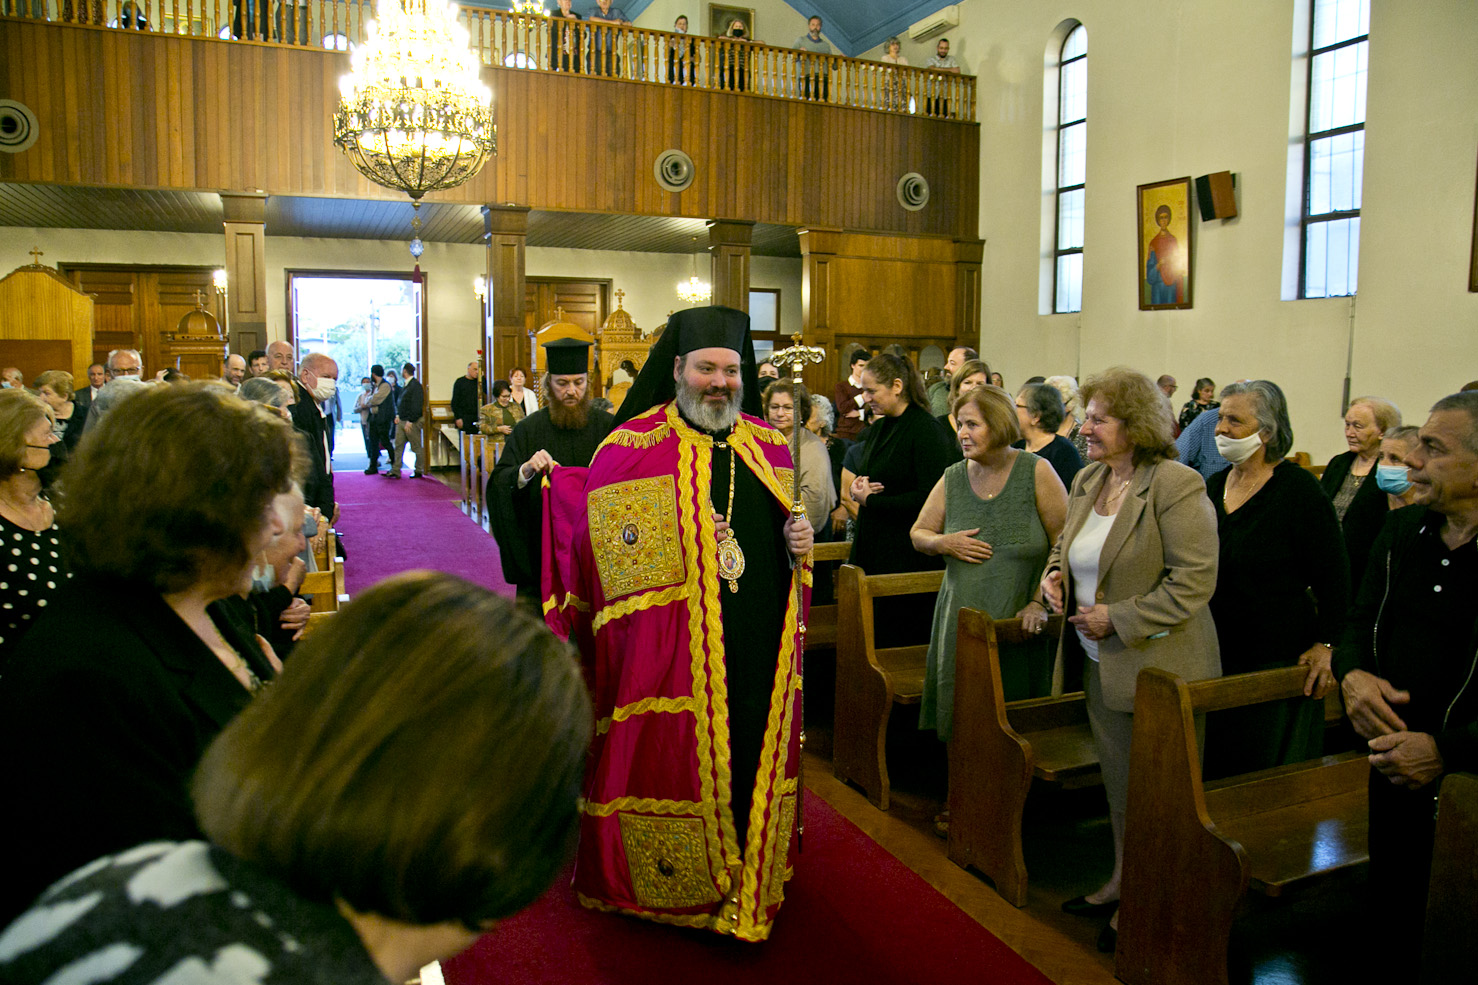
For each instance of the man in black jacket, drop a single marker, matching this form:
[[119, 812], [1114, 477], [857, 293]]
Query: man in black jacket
[[408, 422], [466, 399], [382, 412], [1407, 664]]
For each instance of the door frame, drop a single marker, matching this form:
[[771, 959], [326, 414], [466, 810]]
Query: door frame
[[423, 454]]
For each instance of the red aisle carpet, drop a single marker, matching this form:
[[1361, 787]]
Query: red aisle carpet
[[391, 526], [853, 914]]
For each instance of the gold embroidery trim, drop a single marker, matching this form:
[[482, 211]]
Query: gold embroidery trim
[[644, 805], [701, 921], [670, 706], [633, 535], [637, 603], [638, 439], [775, 890], [667, 860], [571, 601], [689, 487]]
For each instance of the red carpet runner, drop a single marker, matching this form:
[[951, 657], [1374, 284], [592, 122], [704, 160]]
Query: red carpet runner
[[853, 914], [391, 526]]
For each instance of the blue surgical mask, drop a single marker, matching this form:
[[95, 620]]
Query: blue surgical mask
[[1392, 479]]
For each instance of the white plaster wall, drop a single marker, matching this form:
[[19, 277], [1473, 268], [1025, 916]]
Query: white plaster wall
[[1185, 88]]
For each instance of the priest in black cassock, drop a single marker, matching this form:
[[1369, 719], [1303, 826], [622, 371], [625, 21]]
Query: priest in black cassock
[[565, 432]]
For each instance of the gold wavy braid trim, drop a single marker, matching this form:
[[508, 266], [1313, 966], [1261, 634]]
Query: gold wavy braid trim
[[669, 706], [690, 531], [701, 921], [634, 439], [571, 601], [638, 603], [642, 805]]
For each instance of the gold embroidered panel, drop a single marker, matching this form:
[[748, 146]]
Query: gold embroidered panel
[[775, 890], [633, 533], [668, 859], [786, 478]]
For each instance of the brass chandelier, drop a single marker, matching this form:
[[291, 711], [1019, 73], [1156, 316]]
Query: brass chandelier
[[414, 114]]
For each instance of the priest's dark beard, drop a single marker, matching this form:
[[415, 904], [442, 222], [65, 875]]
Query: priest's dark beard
[[569, 418], [706, 417]]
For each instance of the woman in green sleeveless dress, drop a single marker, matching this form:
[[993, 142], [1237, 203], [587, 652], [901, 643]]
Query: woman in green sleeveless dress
[[993, 517]]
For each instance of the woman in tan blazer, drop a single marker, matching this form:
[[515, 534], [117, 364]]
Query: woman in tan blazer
[[1135, 568]]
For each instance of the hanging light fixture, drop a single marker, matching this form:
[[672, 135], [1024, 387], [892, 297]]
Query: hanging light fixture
[[414, 114], [694, 291]]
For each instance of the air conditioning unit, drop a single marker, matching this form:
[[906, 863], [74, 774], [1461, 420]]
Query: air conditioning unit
[[941, 20]]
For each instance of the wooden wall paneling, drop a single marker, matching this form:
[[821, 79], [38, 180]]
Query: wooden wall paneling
[[154, 110], [969, 256], [244, 227]]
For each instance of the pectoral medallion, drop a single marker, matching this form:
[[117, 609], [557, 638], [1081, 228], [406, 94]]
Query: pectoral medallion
[[730, 561]]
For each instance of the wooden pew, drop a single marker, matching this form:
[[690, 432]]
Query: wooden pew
[[821, 620], [999, 748], [1193, 850], [326, 586], [869, 680], [315, 622], [1449, 947]]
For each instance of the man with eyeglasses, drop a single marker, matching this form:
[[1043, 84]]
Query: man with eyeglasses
[[125, 369]]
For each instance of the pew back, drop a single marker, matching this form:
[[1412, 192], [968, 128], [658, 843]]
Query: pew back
[[1449, 946], [1191, 852], [869, 680], [999, 748]]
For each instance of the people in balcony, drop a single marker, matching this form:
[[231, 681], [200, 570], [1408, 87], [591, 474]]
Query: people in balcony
[[604, 42], [734, 59], [816, 76], [942, 61], [895, 91], [564, 40], [682, 55]]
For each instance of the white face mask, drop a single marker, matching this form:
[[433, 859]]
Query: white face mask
[[263, 578], [324, 389], [1238, 450]]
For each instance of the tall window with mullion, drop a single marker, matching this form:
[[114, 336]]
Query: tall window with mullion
[[1334, 154], [1072, 159]]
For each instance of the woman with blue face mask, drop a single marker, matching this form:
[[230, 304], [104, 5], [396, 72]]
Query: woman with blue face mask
[[1282, 585], [1391, 473]]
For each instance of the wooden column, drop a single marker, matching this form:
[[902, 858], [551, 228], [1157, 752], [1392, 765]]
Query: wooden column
[[246, 270], [506, 229], [728, 244], [817, 254], [969, 254]]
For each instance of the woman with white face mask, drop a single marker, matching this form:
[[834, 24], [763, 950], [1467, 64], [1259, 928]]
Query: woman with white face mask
[[1282, 585]]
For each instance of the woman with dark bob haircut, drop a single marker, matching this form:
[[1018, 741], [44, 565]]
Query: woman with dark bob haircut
[[132, 671], [411, 778], [1134, 571]]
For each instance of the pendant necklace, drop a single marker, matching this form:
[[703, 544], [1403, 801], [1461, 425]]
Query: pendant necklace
[[730, 556]]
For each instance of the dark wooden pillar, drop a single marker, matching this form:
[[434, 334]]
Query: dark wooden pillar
[[969, 254], [246, 270], [506, 228], [728, 244], [818, 251]]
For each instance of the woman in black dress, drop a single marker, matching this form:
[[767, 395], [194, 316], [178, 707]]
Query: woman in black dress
[[1282, 586], [1040, 413], [1203, 399], [1349, 479], [904, 453]]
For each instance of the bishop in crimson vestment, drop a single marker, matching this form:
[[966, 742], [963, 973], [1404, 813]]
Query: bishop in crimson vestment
[[693, 656]]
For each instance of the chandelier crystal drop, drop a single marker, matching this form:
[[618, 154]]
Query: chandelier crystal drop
[[415, 115]]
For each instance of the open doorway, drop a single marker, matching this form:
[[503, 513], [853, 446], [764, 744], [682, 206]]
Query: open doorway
[[361, 319]]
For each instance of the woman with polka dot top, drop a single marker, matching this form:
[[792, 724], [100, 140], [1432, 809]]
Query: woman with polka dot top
[[31, 568]]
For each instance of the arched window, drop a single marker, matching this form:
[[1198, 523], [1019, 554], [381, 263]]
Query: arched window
[[1071, 124], [1334, 148]]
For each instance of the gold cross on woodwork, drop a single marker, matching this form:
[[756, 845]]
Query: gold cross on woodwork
[[36, 255], [200, 300], [620, 294], [797, 356], [559, 313]]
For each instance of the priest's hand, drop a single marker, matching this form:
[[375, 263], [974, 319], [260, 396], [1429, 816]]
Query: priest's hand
[[542, 463], [799, 536], [720, 528]]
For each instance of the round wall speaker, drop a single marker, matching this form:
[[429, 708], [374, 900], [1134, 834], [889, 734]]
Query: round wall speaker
[[18, 126], [913, 191], [673, 170]]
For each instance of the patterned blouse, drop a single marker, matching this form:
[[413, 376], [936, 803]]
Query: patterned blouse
[[31, 572]]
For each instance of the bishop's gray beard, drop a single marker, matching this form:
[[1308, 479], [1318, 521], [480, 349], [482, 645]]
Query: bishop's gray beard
[[706, 416], [570, 418]]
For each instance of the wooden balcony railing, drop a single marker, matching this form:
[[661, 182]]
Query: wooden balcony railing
[[544, 44]]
